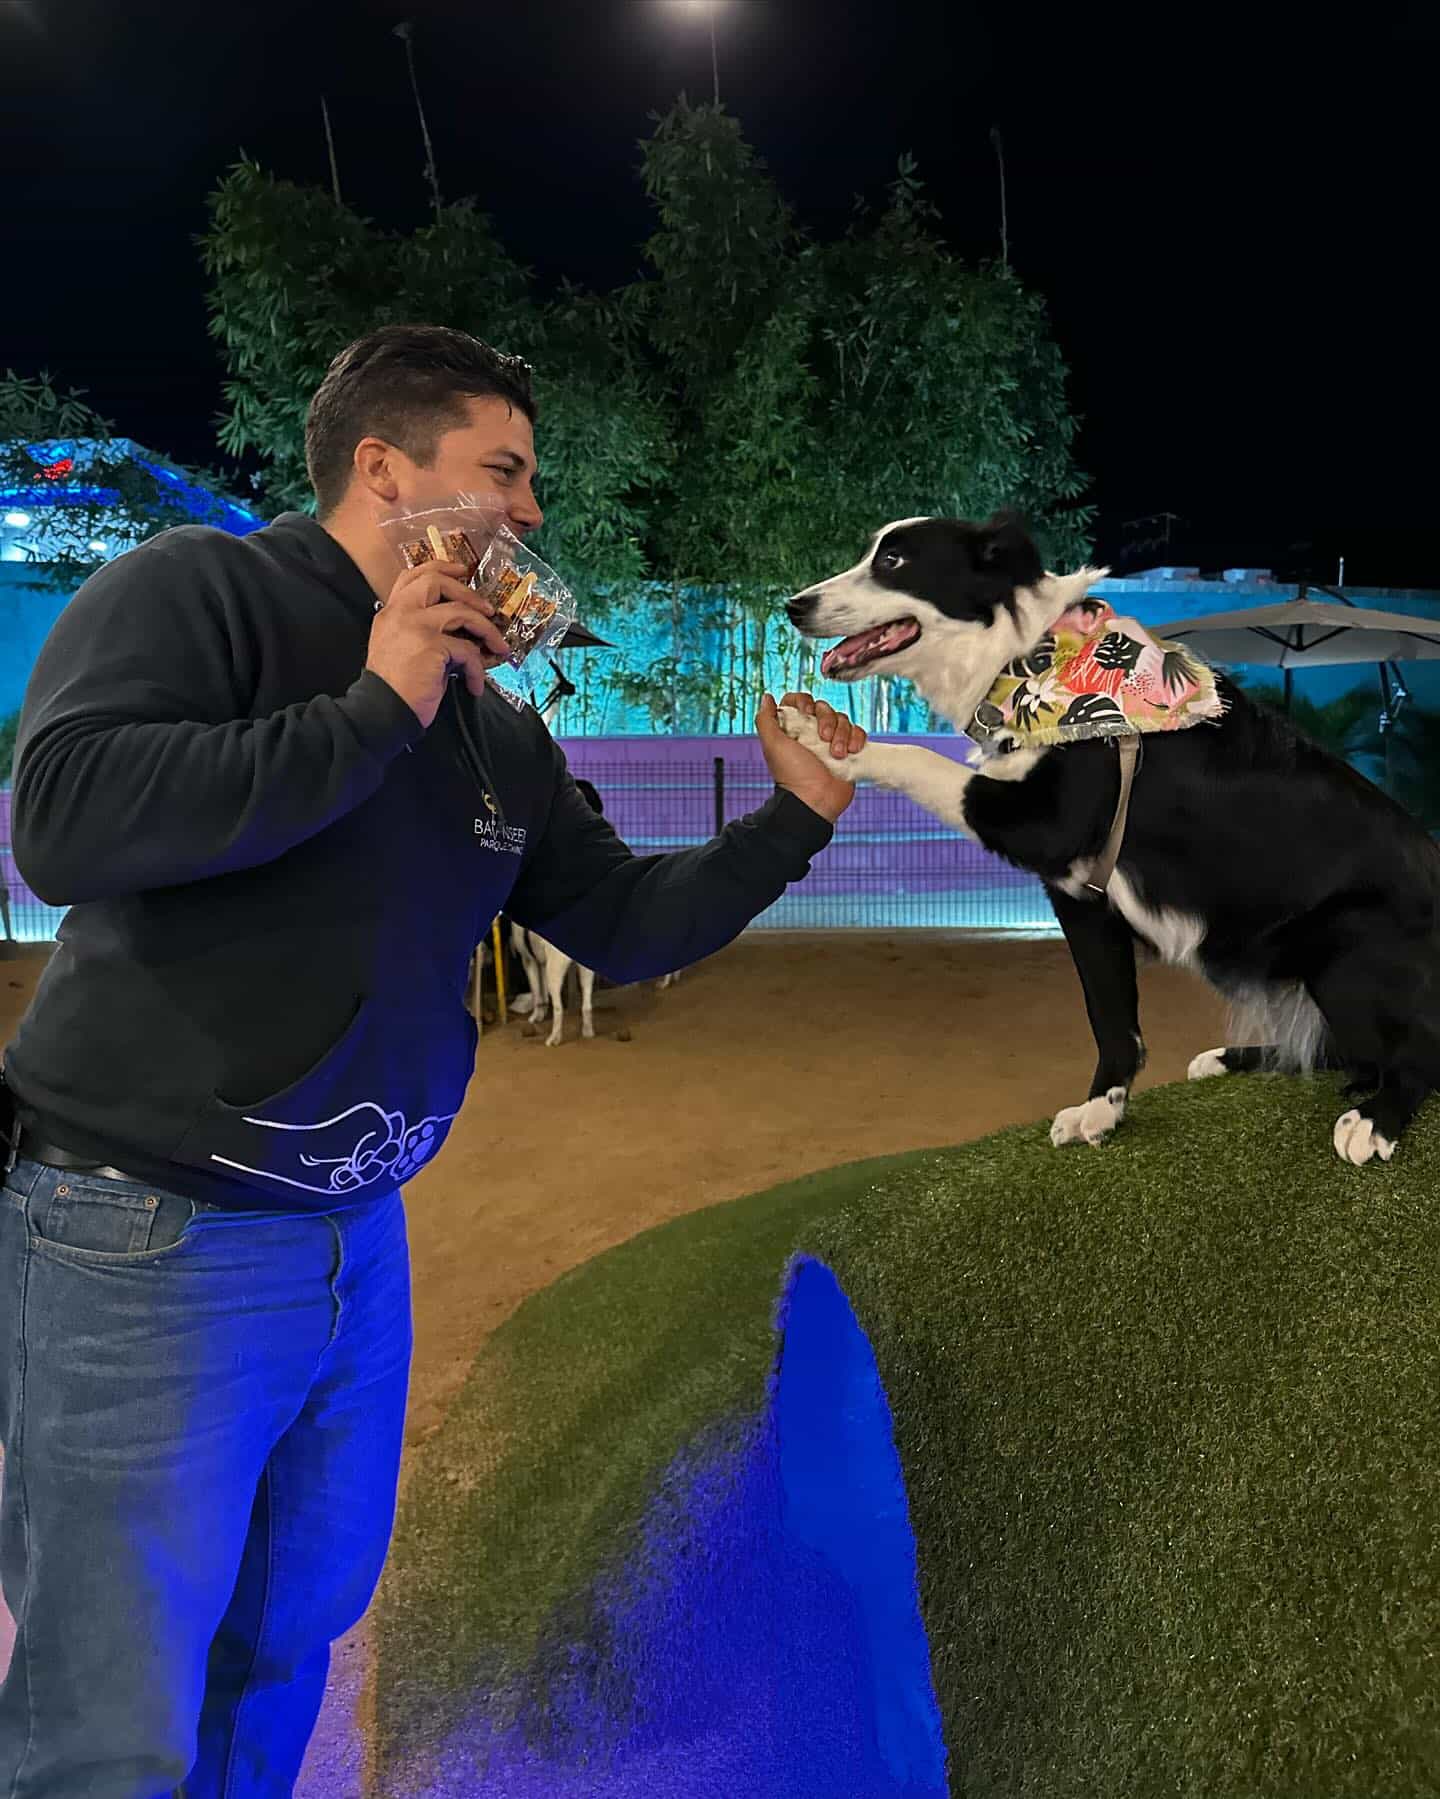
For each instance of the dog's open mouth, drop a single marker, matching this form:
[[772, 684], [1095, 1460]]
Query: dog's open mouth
[[869, 646]]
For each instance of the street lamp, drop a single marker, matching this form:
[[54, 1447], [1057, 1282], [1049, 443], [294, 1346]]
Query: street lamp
[[705, 9]]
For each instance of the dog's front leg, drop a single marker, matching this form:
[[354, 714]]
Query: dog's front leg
[[1103, 948], [930, 779]]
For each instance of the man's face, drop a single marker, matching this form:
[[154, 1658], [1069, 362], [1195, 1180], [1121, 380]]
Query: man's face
[[492, 456]]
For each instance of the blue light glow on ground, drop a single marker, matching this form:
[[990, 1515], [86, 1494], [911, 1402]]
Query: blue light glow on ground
[[765, 1638]]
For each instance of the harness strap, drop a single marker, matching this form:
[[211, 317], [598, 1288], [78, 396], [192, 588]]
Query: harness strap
[[1099, 882]]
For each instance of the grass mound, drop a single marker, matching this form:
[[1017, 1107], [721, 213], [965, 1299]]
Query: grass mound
[[1166, 1421]]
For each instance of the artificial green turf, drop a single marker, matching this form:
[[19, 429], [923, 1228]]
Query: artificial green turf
[[1167, 1416]]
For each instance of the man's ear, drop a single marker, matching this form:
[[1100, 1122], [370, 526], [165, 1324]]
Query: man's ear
[[373, 463]]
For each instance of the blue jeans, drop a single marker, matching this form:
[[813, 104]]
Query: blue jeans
[[201, 1413]]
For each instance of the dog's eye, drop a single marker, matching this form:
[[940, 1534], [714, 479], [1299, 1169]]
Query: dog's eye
[[888, 560]]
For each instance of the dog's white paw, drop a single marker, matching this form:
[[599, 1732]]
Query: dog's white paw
[[1090, 1123], [802, 727], [587, 1027], [1358, 1142], [1211, 1062], [556, 1037]]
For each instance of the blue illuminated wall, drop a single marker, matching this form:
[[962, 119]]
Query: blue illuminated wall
[[29, 603]]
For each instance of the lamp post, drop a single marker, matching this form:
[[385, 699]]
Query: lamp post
[[707, 9], [405, 31]]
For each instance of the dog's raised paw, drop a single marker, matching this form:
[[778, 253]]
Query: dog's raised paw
[[1209, 1062], [1358, 1142], [802, 727], [1090, 1123]]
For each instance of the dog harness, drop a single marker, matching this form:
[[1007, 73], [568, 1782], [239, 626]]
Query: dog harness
[[1099, 882], [1096, 675]]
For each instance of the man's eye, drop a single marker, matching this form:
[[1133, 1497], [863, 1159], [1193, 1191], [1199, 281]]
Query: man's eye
[[503, 468]]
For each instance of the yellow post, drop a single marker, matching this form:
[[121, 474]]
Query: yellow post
[[499, 971]]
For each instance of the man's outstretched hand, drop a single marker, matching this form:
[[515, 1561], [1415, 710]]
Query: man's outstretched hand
[[800, 770]]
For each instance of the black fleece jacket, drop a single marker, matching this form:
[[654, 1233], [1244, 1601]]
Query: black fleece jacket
[[276, 878]]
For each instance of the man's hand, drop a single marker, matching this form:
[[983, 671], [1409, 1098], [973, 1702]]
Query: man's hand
[[432, 622], [800, 770]]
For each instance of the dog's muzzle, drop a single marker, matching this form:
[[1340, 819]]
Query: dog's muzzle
[[802, 608]]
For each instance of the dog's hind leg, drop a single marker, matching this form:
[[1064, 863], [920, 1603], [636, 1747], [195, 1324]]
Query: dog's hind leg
[[1252, 1059], [1293, 1036], [1375, 1003], [587, 1000], [1374, 1127], [1103, 947], [520, 943], [556, 969]]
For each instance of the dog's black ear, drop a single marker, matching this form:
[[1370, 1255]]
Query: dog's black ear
[[1006, 548]]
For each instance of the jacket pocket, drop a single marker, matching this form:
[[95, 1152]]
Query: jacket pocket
[[375, 1107]]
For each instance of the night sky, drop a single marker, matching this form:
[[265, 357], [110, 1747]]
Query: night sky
[[1231, 216]]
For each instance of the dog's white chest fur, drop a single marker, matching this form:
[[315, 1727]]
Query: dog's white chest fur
[[1175, 936]]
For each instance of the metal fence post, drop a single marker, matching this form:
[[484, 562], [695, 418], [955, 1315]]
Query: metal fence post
[[719, 795]]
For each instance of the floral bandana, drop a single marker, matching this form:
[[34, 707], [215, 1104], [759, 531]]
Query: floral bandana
[[1094, 675]]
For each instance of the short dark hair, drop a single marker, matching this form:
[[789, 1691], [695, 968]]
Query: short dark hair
[[407, 384]]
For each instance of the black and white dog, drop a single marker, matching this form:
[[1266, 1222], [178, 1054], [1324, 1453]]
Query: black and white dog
[[1296, 887]]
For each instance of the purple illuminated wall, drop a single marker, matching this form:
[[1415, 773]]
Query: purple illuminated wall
[[890, 866]]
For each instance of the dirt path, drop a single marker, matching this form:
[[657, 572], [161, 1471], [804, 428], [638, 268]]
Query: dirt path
[[781, 1056]]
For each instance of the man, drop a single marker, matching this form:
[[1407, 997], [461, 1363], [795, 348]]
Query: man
[[282, 829]]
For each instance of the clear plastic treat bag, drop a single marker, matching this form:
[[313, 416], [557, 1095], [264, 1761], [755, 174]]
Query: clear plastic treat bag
[[533, 606]]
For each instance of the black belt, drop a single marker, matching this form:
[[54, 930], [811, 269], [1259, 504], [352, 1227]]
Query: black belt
[[36, 1149]]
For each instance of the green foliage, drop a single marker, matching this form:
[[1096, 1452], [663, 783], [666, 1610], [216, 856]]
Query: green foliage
[[113, 497], [8, 727], [295, 277], [821, 389], [1407, 765], [738, 419], [1346, 726], [1413, 763]]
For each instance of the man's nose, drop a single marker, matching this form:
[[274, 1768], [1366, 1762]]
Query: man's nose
[[525, 514]]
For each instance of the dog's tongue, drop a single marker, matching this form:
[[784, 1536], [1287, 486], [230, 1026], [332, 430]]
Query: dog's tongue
[[866, 646]]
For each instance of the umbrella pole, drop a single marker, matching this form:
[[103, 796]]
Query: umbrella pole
[[1288, 686], [1387, 721]]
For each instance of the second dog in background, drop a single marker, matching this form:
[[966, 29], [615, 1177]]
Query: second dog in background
[[547, 969]]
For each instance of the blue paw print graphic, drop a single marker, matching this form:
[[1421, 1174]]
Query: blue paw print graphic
[[417, 1146]]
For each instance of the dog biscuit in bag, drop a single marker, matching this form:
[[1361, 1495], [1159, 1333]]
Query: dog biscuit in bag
[[533, 606]]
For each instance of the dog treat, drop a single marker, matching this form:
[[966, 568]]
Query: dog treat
[[440, 546], [415, 551], [521, 612]]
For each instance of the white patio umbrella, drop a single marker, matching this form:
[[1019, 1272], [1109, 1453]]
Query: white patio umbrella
[[1306, 633]]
